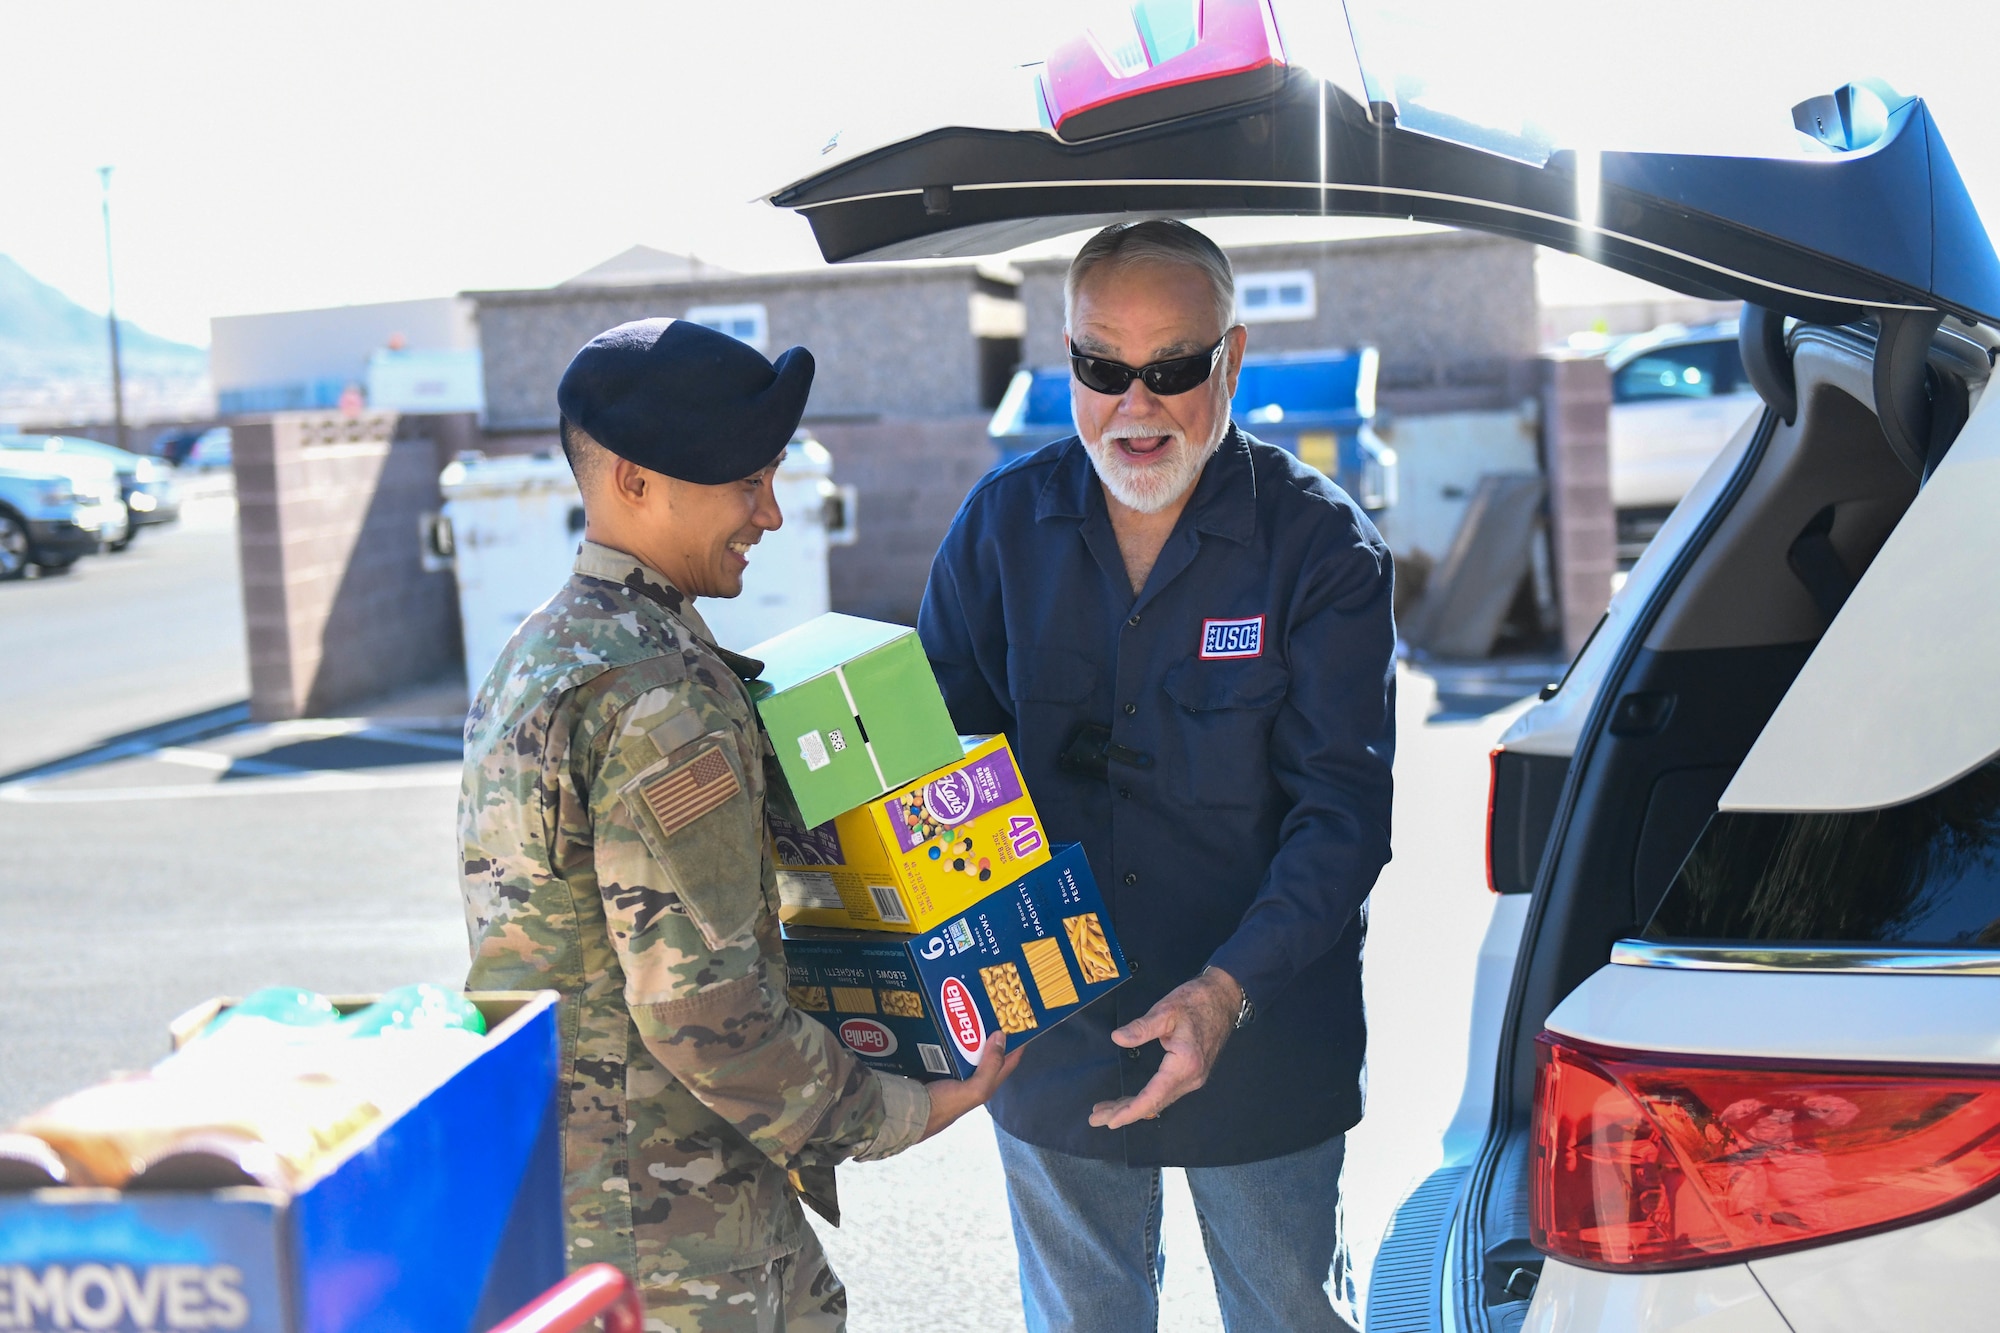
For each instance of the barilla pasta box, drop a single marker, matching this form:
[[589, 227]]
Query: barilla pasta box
[[924, 852], [853, 711], [1019, 961]]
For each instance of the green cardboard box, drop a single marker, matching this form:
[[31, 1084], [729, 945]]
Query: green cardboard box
[[853, 711]]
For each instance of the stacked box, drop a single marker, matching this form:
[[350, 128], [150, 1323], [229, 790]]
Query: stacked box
[[853, 712], [1021, 960], [925, 852], [452, 1210]]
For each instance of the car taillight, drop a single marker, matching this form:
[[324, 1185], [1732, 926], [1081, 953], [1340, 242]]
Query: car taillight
[[1492, 795], [1646, 1163]]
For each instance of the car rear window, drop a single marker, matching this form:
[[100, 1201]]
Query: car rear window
[[1680, 370], [1926, 873]]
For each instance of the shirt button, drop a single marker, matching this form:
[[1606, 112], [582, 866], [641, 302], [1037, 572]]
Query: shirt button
[[1125, 793], [1131, 877], [1133, 621], [1131, 1052], [1131, 709]]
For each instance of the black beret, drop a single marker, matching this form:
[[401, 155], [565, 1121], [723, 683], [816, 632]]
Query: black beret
[[685, 400]]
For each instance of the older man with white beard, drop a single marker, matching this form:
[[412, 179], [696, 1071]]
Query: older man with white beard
[[1186, 635]]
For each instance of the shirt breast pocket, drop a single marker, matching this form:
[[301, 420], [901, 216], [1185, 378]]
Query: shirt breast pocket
[[698, 817], [1224, 713]]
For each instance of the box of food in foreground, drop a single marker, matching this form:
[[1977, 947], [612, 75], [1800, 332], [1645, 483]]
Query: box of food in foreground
[[924, 852], [433, 1200], [853, 711], [1020, 961]]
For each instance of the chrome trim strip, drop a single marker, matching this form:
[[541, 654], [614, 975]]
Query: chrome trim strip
[[1820, 958]]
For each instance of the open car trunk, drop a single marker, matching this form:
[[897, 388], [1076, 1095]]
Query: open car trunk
[[1872, 246]]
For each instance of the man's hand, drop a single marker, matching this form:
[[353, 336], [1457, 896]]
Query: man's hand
[[951, 1099], [1191, 1022]]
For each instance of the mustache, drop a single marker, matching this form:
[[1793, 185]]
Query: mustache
[[1131, 430]]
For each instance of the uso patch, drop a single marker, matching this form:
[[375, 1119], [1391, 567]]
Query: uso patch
[[1232, 638]]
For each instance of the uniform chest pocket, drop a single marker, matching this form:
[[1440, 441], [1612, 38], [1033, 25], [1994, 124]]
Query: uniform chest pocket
[[1223, 713], [698, 816]]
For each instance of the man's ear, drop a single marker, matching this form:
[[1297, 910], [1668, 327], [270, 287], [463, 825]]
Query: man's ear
[[1239, 338], [630, 483]]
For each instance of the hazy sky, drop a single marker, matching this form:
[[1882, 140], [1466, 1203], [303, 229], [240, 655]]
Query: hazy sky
[[275, 156]]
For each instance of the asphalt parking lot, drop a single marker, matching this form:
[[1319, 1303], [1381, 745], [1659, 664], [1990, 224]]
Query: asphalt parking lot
[[156, 849]]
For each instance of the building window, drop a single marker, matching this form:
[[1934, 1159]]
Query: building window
[[745, 323], [1266, 297]]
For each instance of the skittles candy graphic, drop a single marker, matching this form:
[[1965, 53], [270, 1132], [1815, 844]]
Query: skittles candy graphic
[[941, 842], [918, 856]]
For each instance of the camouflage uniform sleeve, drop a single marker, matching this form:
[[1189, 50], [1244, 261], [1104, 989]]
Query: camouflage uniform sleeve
[[679, 851]]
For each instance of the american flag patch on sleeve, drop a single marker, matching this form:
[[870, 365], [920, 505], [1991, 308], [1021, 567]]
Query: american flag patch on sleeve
[[685, 793]]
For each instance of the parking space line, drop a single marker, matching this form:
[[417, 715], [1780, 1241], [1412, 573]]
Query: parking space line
[[305, 781]]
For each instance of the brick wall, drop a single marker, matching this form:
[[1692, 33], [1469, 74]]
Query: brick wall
[[337, 605], [1576, 451], [912, 475], [893, 342]]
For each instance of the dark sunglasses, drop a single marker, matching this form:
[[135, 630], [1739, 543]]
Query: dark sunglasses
[[1176, 375]]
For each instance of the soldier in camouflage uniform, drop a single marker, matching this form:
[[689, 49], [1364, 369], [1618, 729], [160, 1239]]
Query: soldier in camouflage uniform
[[612, 823]]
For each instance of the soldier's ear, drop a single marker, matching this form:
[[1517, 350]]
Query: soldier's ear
[[630, 482]]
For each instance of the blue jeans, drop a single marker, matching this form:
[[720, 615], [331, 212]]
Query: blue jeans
[[1088, 1234]]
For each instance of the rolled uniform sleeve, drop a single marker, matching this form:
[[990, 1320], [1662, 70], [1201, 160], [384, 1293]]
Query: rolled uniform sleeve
[[1332, 748], [679, 852]]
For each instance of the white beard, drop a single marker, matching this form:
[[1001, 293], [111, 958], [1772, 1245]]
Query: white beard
[[1151, 487]]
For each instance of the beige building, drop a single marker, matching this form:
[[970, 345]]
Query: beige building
[[911, 360]]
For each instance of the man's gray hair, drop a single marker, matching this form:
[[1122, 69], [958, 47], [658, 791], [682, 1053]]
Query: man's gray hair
[[1154, 241]]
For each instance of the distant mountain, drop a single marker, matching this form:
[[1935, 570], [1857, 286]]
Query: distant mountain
[[43, 334]]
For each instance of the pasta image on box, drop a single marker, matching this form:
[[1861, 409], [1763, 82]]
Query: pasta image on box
[[924, 853], [1019, 961]]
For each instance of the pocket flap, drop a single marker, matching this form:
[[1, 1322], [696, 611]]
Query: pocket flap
[[693, 809], [1206, 686], [1050, 675]]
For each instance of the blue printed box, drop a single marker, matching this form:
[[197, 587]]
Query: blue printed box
[[1020, 960], [446, 1219]]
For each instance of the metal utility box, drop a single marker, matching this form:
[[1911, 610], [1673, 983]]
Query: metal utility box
[[445, 1219]]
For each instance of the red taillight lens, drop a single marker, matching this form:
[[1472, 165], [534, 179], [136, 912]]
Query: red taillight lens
[[1648, 1163]]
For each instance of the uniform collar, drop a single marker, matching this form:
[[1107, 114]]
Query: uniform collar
[[598, 561], [1224, 501]]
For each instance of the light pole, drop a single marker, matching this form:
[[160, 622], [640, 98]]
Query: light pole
[[111, 315]]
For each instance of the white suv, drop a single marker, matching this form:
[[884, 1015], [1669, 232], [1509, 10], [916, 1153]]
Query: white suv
[[1749, 853], [1735, 1058]]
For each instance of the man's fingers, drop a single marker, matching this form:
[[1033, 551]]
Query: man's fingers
[[994, 1065], [1160, 1092], [1157, 1022]]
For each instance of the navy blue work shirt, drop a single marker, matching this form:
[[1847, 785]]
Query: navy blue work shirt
[[1256, 669]]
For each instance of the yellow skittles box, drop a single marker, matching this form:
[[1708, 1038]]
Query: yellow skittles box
[[921, 854]]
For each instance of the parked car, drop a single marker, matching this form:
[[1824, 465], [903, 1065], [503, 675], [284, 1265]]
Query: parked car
[[212, 450], [173, 445], [145, 484], [1735, 1057], [45, 518], [1677, 396]]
